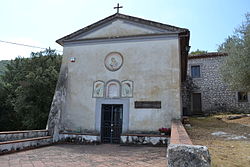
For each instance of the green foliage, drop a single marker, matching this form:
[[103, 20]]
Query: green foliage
[[7, 114], [27, 89], [236, 69], [3, 63], [198, 52]]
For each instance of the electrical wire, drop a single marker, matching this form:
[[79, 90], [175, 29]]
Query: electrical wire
[[20, 44]]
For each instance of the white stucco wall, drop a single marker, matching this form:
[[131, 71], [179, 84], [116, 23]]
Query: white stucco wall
[[153, 66], [121, 28]]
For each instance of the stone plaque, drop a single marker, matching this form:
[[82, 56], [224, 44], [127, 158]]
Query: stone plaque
[[148, 104], [113, 61]]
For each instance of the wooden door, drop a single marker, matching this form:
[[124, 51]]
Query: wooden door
[[196, 103]]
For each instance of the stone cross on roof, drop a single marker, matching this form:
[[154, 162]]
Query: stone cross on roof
[[118, 7]]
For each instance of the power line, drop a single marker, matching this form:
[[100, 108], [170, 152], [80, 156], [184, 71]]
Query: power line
[[21, 44]]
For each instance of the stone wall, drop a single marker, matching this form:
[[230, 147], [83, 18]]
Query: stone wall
[[54, 120], [126, 139], [18, 135], [144, 139], [12, 141], [12, 146], [79, 138], [182, 153], [216, 96]]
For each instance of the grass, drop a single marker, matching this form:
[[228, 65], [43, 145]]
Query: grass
[[224, 152]]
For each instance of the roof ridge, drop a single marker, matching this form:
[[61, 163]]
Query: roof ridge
[[207, 55], [154, 22]]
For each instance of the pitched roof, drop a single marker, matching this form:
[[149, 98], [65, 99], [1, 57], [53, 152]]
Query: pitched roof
[[167, 27]]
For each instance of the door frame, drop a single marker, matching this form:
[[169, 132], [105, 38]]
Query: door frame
[[98, 112]]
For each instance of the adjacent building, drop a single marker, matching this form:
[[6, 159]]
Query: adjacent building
[[208, 92]]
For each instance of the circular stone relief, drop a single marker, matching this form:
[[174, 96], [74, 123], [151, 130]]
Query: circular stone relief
[[113, 61]]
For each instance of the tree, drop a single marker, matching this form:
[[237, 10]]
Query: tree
[[3, 63], [28, 86], [8, 119], [198, 52], [236, 69]]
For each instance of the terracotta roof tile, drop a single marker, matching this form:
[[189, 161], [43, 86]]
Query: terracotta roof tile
[[207, 55]]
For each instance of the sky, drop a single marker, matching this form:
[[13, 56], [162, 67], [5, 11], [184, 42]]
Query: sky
[[41, 22]]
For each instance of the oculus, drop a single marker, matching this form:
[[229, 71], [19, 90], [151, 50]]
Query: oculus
[[113, 61]]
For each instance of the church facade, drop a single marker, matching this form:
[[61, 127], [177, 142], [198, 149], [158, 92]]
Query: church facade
[[120, 75]]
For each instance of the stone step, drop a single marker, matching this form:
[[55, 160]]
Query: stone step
[[16, 145], [18, 135]]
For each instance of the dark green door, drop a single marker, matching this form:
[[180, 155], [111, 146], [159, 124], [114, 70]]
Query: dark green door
[[111, 126]]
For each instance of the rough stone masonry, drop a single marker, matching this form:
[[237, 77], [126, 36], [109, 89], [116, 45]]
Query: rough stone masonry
[[216, 95]]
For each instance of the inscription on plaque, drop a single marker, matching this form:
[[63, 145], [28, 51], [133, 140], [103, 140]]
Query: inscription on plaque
[[148, 104]]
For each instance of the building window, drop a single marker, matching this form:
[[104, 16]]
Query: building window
[[195, 71], [242, 97]]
